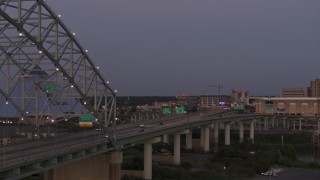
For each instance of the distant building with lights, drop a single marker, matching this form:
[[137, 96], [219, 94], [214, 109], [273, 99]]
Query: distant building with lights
[[214, 101], [240, 97], [294, 92], [304, 106], [188, 100], [315, 88]]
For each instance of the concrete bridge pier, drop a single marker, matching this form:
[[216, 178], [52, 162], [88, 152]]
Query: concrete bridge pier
[[294, 124], [252, 131], [206, 139], [227, 134], [165, 138], [176, 155], [115, 161], [216, 135], [265, 123], [189, 140], [272, 122], [202, 137], [147, 172], [102, 166], [300, 124], [241, 131]]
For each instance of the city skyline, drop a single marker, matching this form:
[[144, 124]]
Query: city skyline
[[170, 47]]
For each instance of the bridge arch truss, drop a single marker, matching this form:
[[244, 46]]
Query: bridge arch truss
[[44, 71]]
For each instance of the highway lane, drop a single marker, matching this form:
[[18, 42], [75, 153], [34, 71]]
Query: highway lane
[[18, 154]]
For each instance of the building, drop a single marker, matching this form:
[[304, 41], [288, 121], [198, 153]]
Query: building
[[189, 101], [315, 88], [294, 92], [305, 106], [240, 97], [213, 101]]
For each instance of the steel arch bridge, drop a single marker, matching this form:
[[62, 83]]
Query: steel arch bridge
[[45, 73]]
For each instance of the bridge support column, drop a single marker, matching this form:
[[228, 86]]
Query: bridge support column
[[277, 123], [206, 139], [116, 159], [176, 157], [272, 122], [227, 134], [259, 124], [165, 138], [241, 131], [189, 140], [176, 151], [265, 123], [202, 137], [216, 135], [300, 124], [294, 124], [95, 167], [252, 131], [147, 156], [49, 175], [147, 166]]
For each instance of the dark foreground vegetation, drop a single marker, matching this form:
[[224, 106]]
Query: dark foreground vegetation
[[237, 161]]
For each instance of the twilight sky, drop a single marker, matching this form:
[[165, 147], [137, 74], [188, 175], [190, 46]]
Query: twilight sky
[[166, 47]]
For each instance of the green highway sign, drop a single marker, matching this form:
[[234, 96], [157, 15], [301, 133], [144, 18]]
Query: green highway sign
[[180, 110], [86, 120], [51, 88], [166, 111]]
